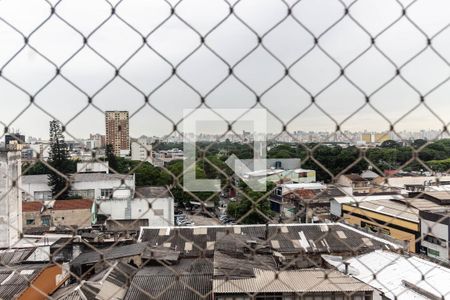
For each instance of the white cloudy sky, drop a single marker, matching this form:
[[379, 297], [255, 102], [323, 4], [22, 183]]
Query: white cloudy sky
[[232, 40]]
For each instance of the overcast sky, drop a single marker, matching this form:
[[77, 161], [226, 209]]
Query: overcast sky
[[232, 40]]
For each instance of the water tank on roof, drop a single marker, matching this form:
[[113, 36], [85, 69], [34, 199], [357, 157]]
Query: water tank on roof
[[122, 194]]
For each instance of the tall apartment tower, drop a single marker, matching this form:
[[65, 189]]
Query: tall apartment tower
[[10, 198], [117, 131]]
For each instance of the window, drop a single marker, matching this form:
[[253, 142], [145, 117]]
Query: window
[[433, 252], [86, 194], [279, 192], [45, 220], [43, 195], [106, 193], [435, 240], [30, 221]]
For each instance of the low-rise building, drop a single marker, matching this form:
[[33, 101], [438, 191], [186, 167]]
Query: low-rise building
[[93, 167], [300, 201], [153, 204], [85, 185], [75, 213], [413, 183], [354, 183], [393, 215], [435, 233], [141, 151]]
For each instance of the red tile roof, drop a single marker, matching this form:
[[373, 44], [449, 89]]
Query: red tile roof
[[72, 204], [32, 206], [58, 205]]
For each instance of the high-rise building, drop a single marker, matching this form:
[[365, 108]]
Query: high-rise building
[[10, 198], [117, 132]]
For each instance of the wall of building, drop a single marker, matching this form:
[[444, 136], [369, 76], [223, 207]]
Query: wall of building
[[10, 198], [85, 189], [93, 167], [95, 187], [399, 229], [439, 231], [36, 191], [158, 211], [117, 130], [141, 151], [81, 218]]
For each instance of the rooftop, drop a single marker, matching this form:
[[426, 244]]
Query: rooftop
[[300, 281], [152, 192], [391, 208], [284, 238], [191, 279], [354, 177], [72, 204], [14, 280], [358, 199], [394, 270]]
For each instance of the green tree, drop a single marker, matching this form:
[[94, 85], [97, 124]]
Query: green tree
[[111, 157], [59, 161], [256, 203], [35, 168], [389, 144]]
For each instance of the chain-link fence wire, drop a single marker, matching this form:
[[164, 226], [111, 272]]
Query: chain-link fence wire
[[332, 71]]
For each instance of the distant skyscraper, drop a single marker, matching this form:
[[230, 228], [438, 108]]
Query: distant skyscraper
[[117, 131]]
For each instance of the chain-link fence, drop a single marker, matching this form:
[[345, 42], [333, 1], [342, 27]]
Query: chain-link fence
[[354, 159]]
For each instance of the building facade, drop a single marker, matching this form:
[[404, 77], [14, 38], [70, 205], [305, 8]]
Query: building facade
[[435, 234], [10, 198], [154, 204], [117, 131], [141, 151], [85, 185], [75, 213]]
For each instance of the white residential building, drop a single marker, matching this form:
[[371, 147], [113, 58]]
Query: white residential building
[[154, 204], [93, 167], [40, 149], [141, 151], [10, 198], [86, 185], [435, 233]]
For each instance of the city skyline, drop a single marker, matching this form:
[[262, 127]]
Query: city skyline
[[90, 85]]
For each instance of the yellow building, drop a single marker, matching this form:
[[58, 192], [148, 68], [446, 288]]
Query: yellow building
[[369, 138], [388, 217], [381, 137]]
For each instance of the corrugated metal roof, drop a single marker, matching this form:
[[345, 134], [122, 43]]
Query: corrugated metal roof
[[391, 269], [358, 199], [10, 257], [191, 279], [296, 239], [109, 253], [390, 208], [308, 280], [14, 280]]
